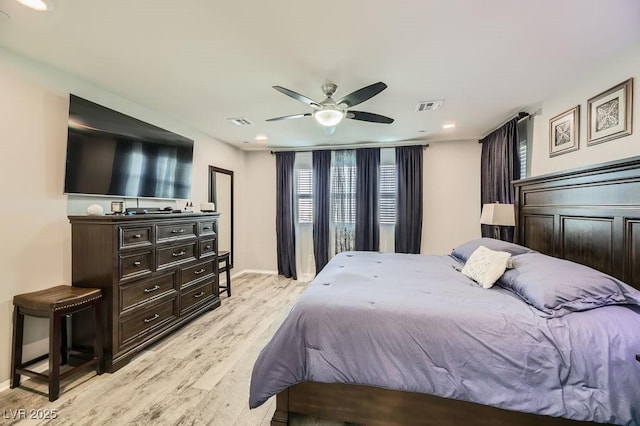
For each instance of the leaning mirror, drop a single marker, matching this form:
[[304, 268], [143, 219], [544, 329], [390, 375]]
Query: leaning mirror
[[221, 194]]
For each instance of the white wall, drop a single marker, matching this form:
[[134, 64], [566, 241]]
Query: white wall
[[260, 216], [36, 251], [451, 195], [613, 71]]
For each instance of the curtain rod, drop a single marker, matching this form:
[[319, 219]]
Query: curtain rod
[[273, 151], [521, 116]]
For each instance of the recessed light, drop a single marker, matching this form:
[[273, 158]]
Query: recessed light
[[261, 137], [40, 5], [449, 125]]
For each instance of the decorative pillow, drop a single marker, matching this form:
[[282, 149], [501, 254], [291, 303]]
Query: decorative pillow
[[464, 251], [557, 287], [485, 266]]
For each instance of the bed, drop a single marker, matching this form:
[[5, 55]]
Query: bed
[[498, 360]]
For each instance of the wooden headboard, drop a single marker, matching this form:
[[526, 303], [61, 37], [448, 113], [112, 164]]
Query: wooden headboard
[[589, 215]]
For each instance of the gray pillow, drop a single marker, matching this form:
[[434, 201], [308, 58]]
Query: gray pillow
[[556, 287], [464, 251]]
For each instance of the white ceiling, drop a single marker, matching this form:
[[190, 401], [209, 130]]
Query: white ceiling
[[203, 61]]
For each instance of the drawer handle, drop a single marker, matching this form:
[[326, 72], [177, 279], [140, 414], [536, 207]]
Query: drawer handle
[[199, 295], [152, 289], [137, 236], [153, 318], [177, 231], [205, 228], [178, 254], [207, 247], [199, 271], [137, 263]]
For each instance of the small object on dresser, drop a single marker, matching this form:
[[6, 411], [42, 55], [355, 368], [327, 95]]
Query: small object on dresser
[[207, 207], [95, 210], [117, 207]]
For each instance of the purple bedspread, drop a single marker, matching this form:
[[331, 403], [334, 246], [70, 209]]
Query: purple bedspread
[[415, 323]]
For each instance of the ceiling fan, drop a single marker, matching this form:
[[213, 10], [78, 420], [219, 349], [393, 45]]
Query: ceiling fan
[[329, 113]]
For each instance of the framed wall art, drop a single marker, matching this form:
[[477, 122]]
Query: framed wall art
[[564, 132], [609, 114]]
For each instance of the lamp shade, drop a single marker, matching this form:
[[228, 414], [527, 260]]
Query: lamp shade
[[498, 214], [328, 116]]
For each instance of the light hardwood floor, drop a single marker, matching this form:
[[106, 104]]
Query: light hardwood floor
[[198, 375]]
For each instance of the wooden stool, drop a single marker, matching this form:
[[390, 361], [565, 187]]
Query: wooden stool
[[223, 256], [54, 303]]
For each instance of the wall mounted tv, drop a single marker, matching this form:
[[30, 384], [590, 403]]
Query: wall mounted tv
[[109, 153]]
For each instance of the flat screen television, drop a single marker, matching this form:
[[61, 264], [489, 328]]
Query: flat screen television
[[112, 154]]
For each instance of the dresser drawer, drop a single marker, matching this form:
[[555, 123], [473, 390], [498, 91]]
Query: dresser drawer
[[207, 248], [206, 227], [175, 231], [142, 291], [136, 265], [172, 255], [196, 272], [195, 296], [150, 318], [135, 237]]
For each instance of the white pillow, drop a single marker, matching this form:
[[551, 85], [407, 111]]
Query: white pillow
[[485, 266]]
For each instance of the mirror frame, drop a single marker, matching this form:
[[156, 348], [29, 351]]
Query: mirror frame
[[212, 198]]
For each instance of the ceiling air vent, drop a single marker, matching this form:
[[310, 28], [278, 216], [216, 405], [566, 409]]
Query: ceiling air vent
[[240, 121], [429, 105]]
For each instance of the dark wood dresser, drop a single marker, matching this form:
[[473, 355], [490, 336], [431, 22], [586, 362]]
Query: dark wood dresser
[[156, 271]]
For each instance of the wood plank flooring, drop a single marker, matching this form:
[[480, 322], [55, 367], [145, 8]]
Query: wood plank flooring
[[198, 375]]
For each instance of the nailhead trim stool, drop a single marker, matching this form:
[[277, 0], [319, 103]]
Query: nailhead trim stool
[[55, 303], [223, 256]]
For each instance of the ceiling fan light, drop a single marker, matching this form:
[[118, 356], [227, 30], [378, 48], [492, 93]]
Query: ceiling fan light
[[328, 117]]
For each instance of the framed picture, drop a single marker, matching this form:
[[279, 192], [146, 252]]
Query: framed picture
[[564, 132], [609, 114]]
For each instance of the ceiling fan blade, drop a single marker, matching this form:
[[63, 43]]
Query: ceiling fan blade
[[297, 96], [368, 116], [361, 95], [287, 117]]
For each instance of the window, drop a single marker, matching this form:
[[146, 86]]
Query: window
[[304, 185], [343, 188], [388, 194], [343, 194], [525, 137]]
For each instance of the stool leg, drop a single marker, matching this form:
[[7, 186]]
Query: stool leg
[[54, 355], [97, 337], [228, 272], [16, 348]]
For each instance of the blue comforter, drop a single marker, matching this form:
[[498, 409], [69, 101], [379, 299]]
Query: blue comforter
[[415, 323]]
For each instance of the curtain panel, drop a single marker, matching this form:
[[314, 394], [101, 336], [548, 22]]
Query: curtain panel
[[367, 198], [343, 201], [499, 165], [321, 203], [408, 235], [285, 214]]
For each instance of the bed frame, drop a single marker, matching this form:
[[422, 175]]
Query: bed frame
[[589, 215]]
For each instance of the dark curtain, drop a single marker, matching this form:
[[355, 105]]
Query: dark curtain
[[367, 195], [409, 199], [285, 219], [499, 165], [321, 203]]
